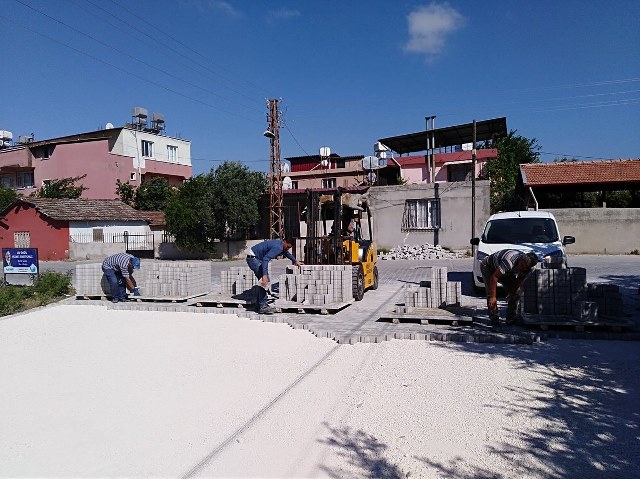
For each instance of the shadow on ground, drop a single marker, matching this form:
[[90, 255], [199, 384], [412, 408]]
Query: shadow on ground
[[589, 395], [362, 451]]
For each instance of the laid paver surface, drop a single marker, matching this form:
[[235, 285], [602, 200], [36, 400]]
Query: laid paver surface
[[359, 322]]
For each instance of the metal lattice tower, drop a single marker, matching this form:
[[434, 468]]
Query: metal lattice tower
[[276, 219]]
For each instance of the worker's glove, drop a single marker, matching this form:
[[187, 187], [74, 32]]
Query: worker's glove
[[136, 292]]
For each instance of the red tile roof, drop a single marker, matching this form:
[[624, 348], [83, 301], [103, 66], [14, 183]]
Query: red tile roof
[[82, 209], [581, 172]]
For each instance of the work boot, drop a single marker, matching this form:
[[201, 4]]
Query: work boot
[[266, 310]]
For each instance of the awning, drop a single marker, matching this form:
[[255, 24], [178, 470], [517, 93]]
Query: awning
[[459, 162], [448, 136]]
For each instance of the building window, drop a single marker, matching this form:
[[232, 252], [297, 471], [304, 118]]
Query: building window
[[340, 163], [8, 181], [329, 183], [98, 235], [21, 239], [147, 148], [132, 176], [421, 215], [24, 179], [172, 153], [459, 172], [47, 151], [294, 184]]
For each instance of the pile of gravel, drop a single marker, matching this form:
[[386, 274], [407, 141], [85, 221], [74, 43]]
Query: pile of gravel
[[419, 252]]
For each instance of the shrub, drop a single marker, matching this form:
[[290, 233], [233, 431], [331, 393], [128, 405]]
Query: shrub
[[51, 284], [13, 297], [46, 288]]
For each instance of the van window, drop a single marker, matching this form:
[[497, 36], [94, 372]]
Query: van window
[[520, 230]]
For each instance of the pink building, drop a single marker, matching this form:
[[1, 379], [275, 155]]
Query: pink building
[[454, 166], [127, 154]]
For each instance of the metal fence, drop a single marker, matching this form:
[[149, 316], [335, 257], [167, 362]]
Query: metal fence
[[132, 241]]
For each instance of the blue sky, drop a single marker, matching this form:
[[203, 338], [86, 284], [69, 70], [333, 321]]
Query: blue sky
[[348, 72]]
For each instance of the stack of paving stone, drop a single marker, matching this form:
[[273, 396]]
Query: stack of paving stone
[[155, 280], [565, 292], [607, 299], [317, 284], [179, 279], [238, 280], [434, 293], [419, 252], [89, 280]]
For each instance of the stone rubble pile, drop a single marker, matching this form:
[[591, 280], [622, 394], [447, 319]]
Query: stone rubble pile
[[419, 252]]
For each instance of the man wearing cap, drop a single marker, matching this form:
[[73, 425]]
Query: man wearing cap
[[258, 259], [118, 269], [510, 267]]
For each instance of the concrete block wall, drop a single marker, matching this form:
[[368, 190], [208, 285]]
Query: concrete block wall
[[317, 284], [238, 280], [155, 280], [438, 294], [566, 292]]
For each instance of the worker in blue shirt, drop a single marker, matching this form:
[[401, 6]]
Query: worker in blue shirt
[[258, 259]]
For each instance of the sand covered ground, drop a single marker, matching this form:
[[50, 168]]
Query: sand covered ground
[[91, 392]]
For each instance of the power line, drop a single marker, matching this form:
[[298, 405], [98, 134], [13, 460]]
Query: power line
[[164, 33], [157, 42], [127, 54], [124, 70]]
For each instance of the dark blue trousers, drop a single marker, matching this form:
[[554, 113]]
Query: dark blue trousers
[[256, 266]]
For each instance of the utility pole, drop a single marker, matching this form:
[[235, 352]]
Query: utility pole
[[473, 188], [276, 220], [431, 145]]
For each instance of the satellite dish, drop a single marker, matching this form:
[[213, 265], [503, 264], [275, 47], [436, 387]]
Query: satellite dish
[[287, 184], [370, 163], [285, 168], [108, 126], [371, 177]]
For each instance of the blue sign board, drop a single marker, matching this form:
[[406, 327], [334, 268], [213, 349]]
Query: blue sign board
[[20, 260]]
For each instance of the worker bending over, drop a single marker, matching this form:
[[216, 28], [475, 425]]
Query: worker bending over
[[510, 267], [258, 259], [118, 269]]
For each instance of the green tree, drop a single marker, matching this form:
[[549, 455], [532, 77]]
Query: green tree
[[236, 192], [503, 171], [153, 195], [188, 214], [63, 188], [7, 195], [126, 192]]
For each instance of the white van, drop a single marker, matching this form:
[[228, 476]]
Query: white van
[[526, 231]]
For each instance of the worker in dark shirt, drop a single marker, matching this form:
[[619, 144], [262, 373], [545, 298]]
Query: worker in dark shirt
[[510, 267], [258, 259]]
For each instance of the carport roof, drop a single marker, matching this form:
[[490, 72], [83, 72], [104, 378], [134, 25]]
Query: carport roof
[[447, 136], [572, 173], [81, 209]]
